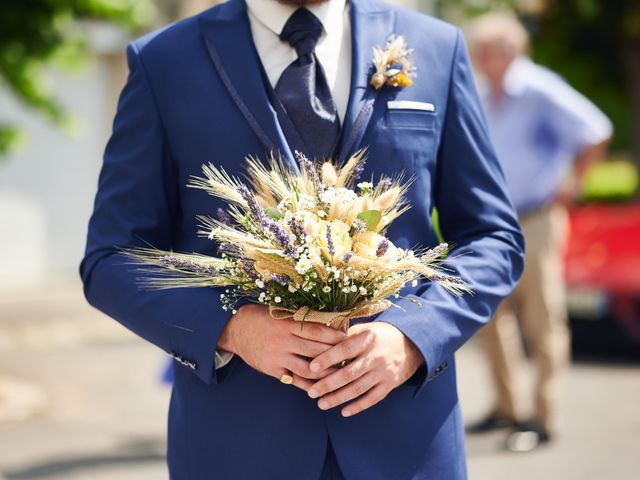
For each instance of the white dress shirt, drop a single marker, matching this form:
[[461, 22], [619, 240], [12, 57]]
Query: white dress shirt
[[333, 50], [267, 19]]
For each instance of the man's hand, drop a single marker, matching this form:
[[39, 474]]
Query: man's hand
[[277, 346], [382, 358]]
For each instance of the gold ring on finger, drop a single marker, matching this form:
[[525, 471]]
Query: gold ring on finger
[[286, 379]]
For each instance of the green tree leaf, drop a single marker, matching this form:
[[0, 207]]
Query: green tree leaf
[[36, 34]]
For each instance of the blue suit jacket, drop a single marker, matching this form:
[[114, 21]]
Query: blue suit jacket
[[195, 95]]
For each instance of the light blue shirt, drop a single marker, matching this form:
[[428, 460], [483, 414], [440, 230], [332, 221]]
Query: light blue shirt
[[537, 128]]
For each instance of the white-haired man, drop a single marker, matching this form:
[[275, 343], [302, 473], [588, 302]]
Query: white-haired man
[[542, 130]]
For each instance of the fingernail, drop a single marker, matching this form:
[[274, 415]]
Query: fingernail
[[323, 405], [346, 413], [314, 367], [313, 393]]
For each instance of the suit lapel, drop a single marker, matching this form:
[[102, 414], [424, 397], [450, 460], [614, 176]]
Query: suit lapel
[[229, 43], [371, 25]]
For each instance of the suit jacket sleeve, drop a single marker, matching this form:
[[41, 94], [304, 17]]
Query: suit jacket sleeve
[[477, 216], [137, 204]]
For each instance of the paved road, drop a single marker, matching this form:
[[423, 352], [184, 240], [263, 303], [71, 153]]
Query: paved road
[[80, 399]]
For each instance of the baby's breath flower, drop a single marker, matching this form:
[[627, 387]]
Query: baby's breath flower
[[303, 265], [365, 187]]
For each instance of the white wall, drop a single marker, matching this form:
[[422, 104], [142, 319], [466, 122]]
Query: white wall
[[47, 187]]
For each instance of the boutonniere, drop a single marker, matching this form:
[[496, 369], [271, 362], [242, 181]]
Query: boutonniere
[[393, 66]]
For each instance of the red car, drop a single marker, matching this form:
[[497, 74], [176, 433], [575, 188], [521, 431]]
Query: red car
[[603, 274]]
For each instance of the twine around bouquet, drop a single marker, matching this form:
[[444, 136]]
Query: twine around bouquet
[[337, 320]]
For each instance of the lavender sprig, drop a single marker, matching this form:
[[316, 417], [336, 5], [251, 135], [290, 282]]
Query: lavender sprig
[[359, 168], [223, 217], [330, 245], [296, 228], [254, 209], [383, 246], [280, 279], [281, 236], [247, 268], [170, 261], [309, 169], [230, 249], [258, 216], [437, 252], [444, 278]]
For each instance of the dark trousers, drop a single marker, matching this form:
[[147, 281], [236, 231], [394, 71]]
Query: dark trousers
[[331, 469]]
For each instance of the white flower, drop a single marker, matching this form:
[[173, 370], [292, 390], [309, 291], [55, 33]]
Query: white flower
[[277, 299], [365, 185], [414, 283], [259, 283], [322, 213], [354, 288], [292, 289], [303, 265], [363, 291], [326, 289]]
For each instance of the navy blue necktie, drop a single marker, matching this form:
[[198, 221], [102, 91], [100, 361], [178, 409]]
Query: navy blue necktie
[[303, 90]]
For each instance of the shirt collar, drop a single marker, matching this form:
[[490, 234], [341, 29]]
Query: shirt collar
[[515, 80], [274, 14]]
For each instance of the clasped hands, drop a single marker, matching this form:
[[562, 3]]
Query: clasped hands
[[378, 356]]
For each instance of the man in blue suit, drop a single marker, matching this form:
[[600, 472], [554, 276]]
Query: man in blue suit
[[257, 76]]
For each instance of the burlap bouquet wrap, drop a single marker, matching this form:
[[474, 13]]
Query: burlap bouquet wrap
[[337, 320]]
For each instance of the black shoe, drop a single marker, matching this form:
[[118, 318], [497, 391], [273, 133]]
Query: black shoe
[[527, 436], [491, 422]]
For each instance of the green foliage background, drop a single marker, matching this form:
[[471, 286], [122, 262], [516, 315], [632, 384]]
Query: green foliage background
[[37, 33]]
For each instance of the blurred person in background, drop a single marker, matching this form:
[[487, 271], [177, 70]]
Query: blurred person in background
[[545, 134]]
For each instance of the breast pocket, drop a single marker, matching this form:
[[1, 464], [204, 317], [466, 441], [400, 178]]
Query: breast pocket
[[412, 136], [410, 119]]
